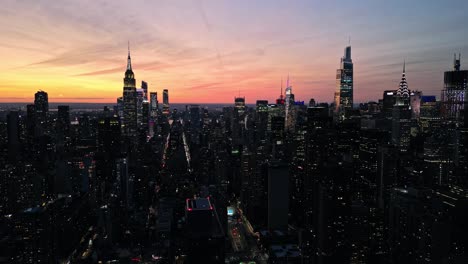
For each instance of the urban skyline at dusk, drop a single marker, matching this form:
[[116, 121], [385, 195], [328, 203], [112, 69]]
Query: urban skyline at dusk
[[233, 132], [195, 49]]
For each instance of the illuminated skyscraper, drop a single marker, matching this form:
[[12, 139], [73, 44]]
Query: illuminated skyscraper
[[289, 108], [129, 101], [344, 86], [455, 92], [401, 120], [166, 109]]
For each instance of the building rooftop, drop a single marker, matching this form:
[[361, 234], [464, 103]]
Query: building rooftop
[[198, 204]]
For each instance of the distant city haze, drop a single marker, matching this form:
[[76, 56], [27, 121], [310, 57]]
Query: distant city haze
[[212, 51]]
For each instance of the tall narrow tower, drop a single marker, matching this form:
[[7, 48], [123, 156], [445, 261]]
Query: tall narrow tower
[[344, 85], [129, 101], [166, 109], [401, 115]]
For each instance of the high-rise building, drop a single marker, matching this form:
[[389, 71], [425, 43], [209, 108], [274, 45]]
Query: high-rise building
[[278, 195], [289, 108], [204, 231], [154, 105], [41, 102], [13, 132], [344, 86], [120, 108], [388, 102], [166, 109], [144, 115], [140, 100], [63, 125], [30, 125], [129, 101], [415, 102], [455, 93], [401, 120], [144, 87], [429, 116], [239, 105]]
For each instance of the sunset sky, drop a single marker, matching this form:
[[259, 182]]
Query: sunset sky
[[210, 51]]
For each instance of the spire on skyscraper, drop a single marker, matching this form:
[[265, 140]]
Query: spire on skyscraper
[[129, 61], [403, 87], [281, 94]]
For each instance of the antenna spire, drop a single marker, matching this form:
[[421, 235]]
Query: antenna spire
[[404, 66], [281, 94], [349, 40], [129, 61]]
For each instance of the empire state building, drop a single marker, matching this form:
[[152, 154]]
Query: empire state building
[[129, 101]]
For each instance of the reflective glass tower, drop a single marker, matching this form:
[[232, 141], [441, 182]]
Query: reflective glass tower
[[344, 85]]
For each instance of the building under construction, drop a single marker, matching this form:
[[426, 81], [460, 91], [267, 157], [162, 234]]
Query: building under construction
[[455, 93]]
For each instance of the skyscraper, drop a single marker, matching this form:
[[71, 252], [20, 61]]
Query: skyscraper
[[166, 102], [63, 126], [13, 132], [140, 100], [344, 86], [455, 93], [129, 101], [144, 86], [401, 120], [154, 105], [41, 102], [239, 104], [289, 107]]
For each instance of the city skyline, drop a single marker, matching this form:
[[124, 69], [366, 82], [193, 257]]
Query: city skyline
[[194, 49]]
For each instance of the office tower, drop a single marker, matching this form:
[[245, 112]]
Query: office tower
[[239, 105], [261, 120], [317, 117], [388, 102], [13, 133], [154, 105], [121, 170], [41, 102], [415, 103], [145, 114], [429, 116], [129, 101], [344, 86], [204, 232], [120, 108], [166, 109], [140, 99], [401, 119], [455, 93], [278, 195], [109, 136], [63, 126], [238, 121], [277, 137], [144, 87], [30, 125], [262, 106]]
